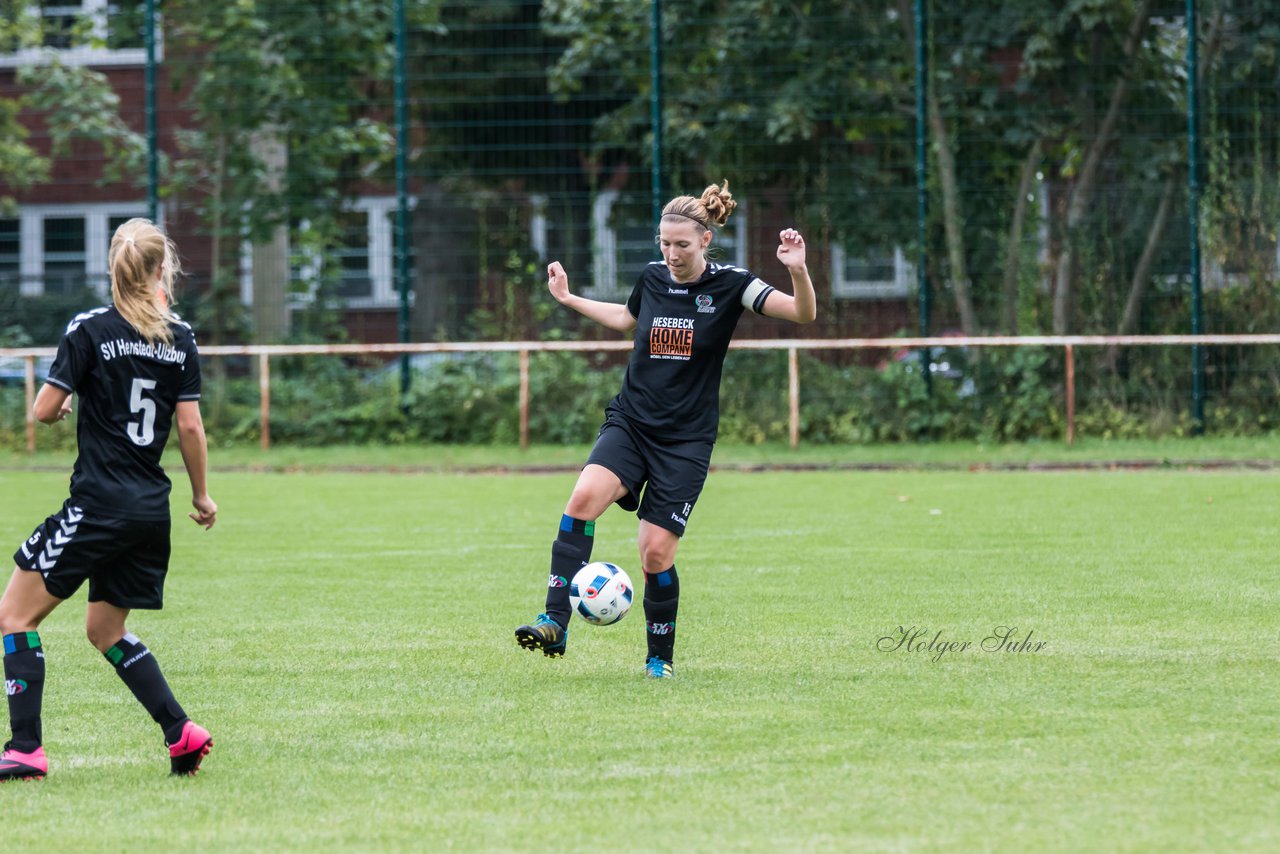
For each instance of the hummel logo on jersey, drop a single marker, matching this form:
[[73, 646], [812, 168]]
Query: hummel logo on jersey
[[684, 291], [704, 303], [661, 628], [557, 581], [14, 686], [81, 318]]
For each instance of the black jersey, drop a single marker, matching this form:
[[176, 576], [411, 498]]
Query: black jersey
[[128, 390], [672, 384]]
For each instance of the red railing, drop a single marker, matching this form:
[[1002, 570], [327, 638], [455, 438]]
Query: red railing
[[793, 346]]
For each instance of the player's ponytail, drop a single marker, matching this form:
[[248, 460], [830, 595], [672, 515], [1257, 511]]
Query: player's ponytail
[[710, 211], [143, 263]]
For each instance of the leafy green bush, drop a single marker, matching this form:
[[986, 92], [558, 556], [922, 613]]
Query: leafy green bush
[[992, 395]]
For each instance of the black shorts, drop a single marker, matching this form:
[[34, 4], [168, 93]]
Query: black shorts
[[125, 560], [671, 474]]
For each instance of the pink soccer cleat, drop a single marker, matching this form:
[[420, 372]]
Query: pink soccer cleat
[[16, 765], [186, 753]]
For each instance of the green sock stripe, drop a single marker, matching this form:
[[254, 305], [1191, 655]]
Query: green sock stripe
[[115, 655], [33, 640], [589, 528]]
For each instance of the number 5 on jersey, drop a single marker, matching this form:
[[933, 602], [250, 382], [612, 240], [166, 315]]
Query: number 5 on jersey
[[142, 431]]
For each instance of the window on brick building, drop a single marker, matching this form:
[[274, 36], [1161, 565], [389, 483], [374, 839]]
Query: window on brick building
[[86, 32]]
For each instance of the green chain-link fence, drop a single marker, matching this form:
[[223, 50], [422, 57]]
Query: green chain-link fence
[[1032, 175]]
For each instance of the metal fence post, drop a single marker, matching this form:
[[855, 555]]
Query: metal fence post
[[793, 396], [29, 377], [524, 399], [922, 185], [1071, 393], [1193, 220], [655, 107], [264, 398], [149, 84], [402, 197]]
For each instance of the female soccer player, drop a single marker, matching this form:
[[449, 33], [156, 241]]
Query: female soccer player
[[654, 450], [135, 366]]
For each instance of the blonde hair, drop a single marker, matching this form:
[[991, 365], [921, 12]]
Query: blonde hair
[[710, 211], [139, 254]]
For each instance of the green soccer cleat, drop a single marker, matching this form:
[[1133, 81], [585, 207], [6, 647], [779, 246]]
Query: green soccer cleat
[[657, 668], [545, 634]]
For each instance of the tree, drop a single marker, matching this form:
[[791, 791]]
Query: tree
[[497, 133], [1083, 190], [282, 128]]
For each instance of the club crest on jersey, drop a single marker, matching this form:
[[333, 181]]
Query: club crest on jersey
[[704, 303]]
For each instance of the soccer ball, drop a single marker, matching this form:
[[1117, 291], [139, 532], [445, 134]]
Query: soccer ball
[[600, 593]]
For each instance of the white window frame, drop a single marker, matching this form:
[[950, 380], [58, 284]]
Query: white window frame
[[604, 247], [538, 224], [18, 257], [97, 12], [896, 288], [382, 266], [96, 238]]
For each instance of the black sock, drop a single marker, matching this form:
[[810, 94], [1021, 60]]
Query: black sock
[[24, 683], [138, 668], [661, 600], [569, 553]]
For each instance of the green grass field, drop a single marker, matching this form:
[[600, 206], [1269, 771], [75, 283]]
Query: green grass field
[[960, 455], [348, 639]]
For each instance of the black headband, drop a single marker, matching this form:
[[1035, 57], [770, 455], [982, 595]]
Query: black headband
[[686, 216]]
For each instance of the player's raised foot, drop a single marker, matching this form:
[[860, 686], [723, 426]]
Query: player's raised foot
[[544, 634], [657, 668], [186, 753], [16, 765]]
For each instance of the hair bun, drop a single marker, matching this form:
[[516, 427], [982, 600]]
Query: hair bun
[[718, 202]]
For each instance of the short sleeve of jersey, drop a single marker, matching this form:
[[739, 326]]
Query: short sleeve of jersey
[[71, 364], [633, 301], [190, 388]]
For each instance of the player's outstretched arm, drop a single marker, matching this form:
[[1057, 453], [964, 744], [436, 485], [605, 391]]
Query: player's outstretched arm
[[195, 456], [52, 404], [611, 314], [802, 305]]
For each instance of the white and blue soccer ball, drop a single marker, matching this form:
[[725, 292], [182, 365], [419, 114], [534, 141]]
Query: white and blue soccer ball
[[601, 593]]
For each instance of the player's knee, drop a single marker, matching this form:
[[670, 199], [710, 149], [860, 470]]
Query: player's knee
[[578, 508], [657, 558], [102, 635], [585, 505], [11, 622]]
